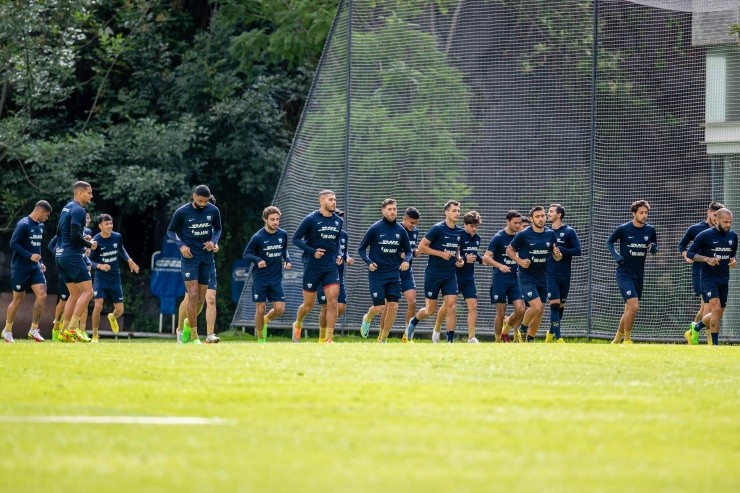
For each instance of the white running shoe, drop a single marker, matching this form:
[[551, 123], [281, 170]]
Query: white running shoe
[[7, 336], [435, 337], [213, 339], [473, 340], [179, 336], [35, 335]]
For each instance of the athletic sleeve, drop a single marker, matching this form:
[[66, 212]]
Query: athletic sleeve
[[298, 237], [685, 240], [575, 250], [286, 254], [365, 243], [613, 238], [654, 241], [174, 227], [15, 241], [695, 246], [75, 235], [52, 246], [216, 226], [250, 252], [406, 247]]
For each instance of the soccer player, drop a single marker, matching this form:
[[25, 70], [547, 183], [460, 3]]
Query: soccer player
[[386, 240], [268, 251], [715, 250], [196, 228], [408, 284], [183, 323], [531, 250], [62, 295], [636, 238], [318, 236], [469, 245], [504, 283], [558, 273], [683, 245], [342, 297], [69, 256], [27, 269], [442, 244], [107, 279]]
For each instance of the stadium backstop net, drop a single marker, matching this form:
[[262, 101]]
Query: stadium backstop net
[[507, 104]]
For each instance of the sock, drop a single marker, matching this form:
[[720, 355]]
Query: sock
[[34, 327], [561, 310], [74, 323], [505, 328], [57, 324], [530, 338], [8, 327], [450, 335], [412, 326], [699, 326], [555, 320], [322, 334], [524, 328], [715, 338]]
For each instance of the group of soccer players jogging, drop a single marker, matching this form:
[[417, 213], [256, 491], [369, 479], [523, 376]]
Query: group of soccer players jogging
[[531, 268]]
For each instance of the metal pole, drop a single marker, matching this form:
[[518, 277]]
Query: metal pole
[[592, 168], [347, 129]]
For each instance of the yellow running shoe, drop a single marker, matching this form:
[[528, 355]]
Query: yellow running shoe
[[113, 323], [95, 339], [627, 341], [709, 339], [518, 336], [66, 335], [687, 336], [561, 341], [549, 337], [81, 336]]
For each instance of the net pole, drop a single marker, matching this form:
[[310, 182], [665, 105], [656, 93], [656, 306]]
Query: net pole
[[347, 127], [592, 167]]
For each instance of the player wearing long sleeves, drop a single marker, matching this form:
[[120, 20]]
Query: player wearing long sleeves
[[442, 244], [318, 236], [196, 228], [107, 279], [342, 297], [532, 249], [636, 239], [268, 252], [469, 246], [27, 269], [72, 264], [559, 273], [715, 250], [387, 241], [683, 247]]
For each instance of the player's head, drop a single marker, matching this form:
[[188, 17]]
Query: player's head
[[537, 216], [271, 217], [82, 192], [41, 211], [555, 212], [639, 210], [471, 222], [526, 222], [201, 196], [105, 223], [724, 220], [712, 212], [389, 208], [327, 201], [411, 218], [452, 210], [514, 221]]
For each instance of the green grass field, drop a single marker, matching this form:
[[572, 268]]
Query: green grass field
[[371, 417]]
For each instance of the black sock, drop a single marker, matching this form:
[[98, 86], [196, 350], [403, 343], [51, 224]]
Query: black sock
[[450, 335]]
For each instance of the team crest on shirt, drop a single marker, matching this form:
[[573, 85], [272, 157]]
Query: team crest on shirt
[[495, 296], [730, 242], [429, 293], [280, 240], [17, 287], [208, 217], [646, 238], [256, 296], [562, 234], [115, 245], [375, 295], [336, 223], [547, 243], [309, 285], [629, 292], [398, 236], [709, 293], [529, 293], [95, 293]]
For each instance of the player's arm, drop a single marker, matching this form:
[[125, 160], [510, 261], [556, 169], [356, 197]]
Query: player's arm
[[684, 243], [696, 247], [174, 227], [613, 238], [512, 252], [285, 253], [20, 232], [251, 252], [217, 227], [653, 242], [408, 253], [573, 246], [298, 236], [425, 248], [367, 240]]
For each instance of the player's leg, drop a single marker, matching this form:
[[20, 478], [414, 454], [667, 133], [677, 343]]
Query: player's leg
[[211, 336], [115, 295], [260, 308], [191, 309], [97, 309], [15, 303], [450, 302], [332, 294], [309, 300], [39, 290], [391, 309], [182, 314]]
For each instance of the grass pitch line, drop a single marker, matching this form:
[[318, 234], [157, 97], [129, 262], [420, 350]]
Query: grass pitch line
[[116, 420]]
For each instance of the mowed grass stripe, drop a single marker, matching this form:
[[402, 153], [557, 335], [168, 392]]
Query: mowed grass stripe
[[370, 417]]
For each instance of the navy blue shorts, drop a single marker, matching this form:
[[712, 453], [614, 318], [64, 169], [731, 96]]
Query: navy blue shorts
[[696, 281], [558, 289], [532, 290], [342, 298], [433, 285], [467, 288], [505, 289], [384, 287], [197, 268], [267, 291], [711, 290], [109, 292], [407, 280], [62, 290], [313, 279], [22, 279], [212, 282], [629, 287], [74, 269]]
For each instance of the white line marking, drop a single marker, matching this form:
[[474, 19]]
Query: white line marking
[[123, 420]]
